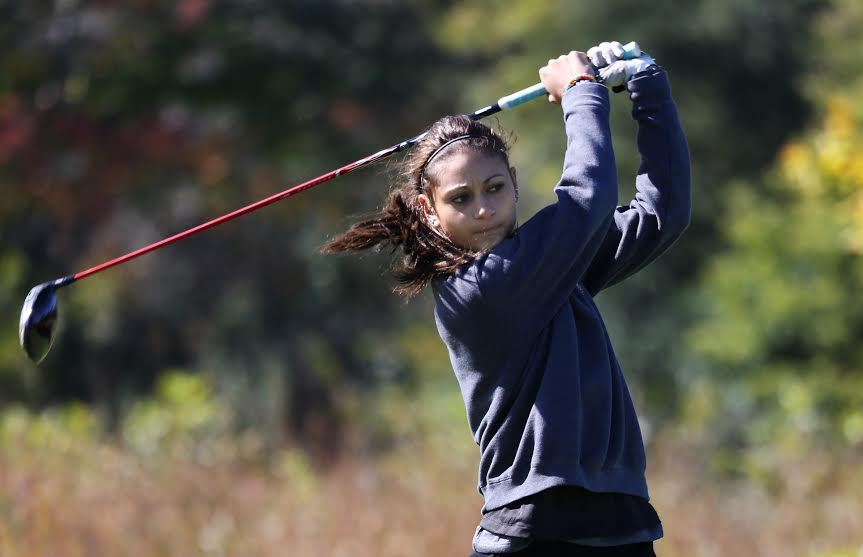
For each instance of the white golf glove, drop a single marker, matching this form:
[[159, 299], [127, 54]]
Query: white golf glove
[[614, 70]]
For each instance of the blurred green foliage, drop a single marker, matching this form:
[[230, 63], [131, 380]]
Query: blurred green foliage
[[122, 124], [59, 428], [779, 319], [849, 552], [181, 413]]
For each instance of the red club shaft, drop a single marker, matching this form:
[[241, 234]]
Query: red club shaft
[[503, 103], [247, 209]]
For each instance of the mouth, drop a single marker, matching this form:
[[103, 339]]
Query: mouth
[[488, 230]]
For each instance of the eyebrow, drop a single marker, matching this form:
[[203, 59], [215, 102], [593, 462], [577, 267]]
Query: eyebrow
[[465, 186]]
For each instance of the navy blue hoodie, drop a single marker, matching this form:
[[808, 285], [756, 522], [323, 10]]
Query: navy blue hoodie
[[546, 400]]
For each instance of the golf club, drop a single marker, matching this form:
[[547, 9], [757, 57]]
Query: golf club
[[38, 321]]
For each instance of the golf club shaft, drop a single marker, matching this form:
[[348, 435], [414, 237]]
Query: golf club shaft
[[631, 50], [504, 103]]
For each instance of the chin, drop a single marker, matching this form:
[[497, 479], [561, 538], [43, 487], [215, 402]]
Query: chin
[[490, 244]]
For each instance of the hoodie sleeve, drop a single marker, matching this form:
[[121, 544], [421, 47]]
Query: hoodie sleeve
[[536, 270], [660, 211]]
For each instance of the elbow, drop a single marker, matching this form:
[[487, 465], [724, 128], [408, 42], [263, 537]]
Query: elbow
[[679, 226], [608, 202], [593, 192], [677, 220], [679, 211], [686, 217], [603, 203], [604, 195], [683, 213]]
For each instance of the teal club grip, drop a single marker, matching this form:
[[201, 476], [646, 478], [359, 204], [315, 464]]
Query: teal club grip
[[520, 97]]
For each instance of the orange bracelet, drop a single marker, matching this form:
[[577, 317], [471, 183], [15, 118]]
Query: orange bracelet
[[571, 84]]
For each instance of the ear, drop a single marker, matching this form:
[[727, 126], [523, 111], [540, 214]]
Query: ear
[[428, 210], [513, 173]]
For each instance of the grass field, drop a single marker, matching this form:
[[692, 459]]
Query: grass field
[[65, 493]]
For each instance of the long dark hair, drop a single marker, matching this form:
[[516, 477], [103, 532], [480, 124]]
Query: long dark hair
[[402, 223]]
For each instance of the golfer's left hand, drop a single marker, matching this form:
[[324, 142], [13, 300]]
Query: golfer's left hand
[[561, 70]]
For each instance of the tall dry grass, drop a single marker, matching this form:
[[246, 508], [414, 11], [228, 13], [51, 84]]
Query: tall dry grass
[[99, 499]]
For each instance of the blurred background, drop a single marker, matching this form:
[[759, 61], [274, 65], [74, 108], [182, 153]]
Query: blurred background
[[241, 394]]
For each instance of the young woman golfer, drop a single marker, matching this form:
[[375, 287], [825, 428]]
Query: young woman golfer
[[562, 461]]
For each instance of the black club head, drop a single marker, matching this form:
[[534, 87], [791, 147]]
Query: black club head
[[38, 321]]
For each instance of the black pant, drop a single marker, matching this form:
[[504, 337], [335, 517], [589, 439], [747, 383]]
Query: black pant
[[540, 548]]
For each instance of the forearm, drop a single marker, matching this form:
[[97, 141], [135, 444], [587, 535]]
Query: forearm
[[660, 211], [663, 180], [589, 177]]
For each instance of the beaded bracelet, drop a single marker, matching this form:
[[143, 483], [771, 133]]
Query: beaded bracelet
[[571, 84]]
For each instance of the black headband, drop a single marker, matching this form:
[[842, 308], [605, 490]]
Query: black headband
[[435, 152]]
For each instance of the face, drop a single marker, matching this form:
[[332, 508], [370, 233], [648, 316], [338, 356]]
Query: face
[[474, 199]]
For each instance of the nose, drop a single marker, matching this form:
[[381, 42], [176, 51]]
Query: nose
[[485, 209]]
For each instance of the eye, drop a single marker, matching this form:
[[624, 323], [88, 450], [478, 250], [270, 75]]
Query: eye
[[460, 198], [495, 186]]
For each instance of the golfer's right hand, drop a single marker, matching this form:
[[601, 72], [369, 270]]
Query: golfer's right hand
[[561, 70]]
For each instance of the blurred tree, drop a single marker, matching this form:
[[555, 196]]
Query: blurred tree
[[781, 322], [121, 124]]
